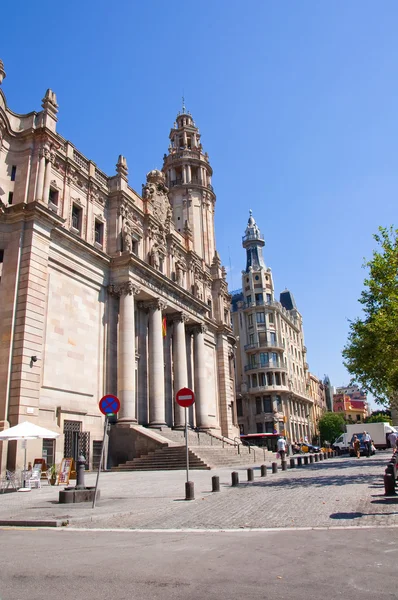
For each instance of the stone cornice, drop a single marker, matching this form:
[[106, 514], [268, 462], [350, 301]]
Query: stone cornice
[[152, 305]]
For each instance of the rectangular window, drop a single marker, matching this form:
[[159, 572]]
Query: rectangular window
[[259, 299], [249, 300], [262, 337], [267, 404], [259, 427], [253, 360], [358, 417], [277, 379], [48, 451], [10, 197], [254, 381], [260, 317], [239, 407], [251, 339], [258, 406], [269, 298], [13, 172], [98, 232], [53, 197], [272, 337], [274, 358], [261, 379], [271, 318], [225, 316], [76, 217], [264, 358], [269, 428], [250, 320]]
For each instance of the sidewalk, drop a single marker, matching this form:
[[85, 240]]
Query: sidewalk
[[336, 492]]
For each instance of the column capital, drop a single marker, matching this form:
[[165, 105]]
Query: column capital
[[155, 304], [179, 317], [198, 328], [127, 288]]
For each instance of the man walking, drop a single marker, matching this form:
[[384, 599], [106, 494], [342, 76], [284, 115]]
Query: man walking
[[282, 447], [367, 440]]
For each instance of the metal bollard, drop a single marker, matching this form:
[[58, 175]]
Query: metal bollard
[[311, 459], [316, 457], [321, 456], [389, 485], [292, 463], [215, 484], [263, 470], [326, 455], [284, 465], [306, 460], [274, 467], [250, 475], [299, 461], [189, 490], [235, 478]]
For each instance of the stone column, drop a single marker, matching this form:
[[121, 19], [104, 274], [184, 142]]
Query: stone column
[[126, 351], [40, 176], [189, 178], [157, 415], [179, 365], [47, 179], [184, 174], [201, 400]]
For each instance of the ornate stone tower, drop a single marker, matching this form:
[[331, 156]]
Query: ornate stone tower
[[188, 176]]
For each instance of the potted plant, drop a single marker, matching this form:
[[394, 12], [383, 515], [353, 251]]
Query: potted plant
[[53, 474]]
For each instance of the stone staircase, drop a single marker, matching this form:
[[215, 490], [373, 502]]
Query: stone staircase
[[205, 452]]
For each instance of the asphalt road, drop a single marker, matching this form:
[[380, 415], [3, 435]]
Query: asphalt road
[[299, 565]]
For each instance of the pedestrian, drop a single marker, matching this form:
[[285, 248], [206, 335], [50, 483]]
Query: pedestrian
[[282, 447], [392, 438], [367, 440], [357, 446]]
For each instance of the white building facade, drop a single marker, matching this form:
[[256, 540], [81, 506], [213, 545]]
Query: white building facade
[[271, 367]]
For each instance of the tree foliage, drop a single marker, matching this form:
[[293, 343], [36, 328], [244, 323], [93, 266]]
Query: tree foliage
[[379, 416], [371, 353], [331, 425]]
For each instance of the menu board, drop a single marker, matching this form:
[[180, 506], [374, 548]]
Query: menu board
[[66, 468]]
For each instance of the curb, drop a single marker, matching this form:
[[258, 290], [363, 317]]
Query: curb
[[33, 523]]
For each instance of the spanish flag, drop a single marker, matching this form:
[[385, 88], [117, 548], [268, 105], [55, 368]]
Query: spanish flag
[[164, 327]]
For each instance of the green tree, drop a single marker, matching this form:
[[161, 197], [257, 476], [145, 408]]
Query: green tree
[[331, 425], [380, 416], [371, 353]]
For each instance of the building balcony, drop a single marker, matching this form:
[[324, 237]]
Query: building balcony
[[251, 237], [269, 366], [268, 345], [267, 388], [193, 181], [253, 304]]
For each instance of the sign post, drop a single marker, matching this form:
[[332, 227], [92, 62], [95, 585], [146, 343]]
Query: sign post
[[185, 398], [108, 405]]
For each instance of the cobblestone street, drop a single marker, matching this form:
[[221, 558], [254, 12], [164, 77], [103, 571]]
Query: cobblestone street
[[338, 492]]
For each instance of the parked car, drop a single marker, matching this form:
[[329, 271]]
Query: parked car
[[363, 448]]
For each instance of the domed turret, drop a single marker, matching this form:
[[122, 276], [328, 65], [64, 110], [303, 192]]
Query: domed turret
[[253, 242]]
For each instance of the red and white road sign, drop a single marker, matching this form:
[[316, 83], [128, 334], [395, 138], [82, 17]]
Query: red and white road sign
[[185, 397]]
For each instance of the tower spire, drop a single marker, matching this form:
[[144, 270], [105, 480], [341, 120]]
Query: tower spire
[[183, 106], [253, 242]]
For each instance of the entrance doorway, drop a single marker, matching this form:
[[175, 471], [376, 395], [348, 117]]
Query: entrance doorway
[[76, 441]]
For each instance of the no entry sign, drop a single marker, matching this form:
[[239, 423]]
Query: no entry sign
[[109, 405], [185, 397]]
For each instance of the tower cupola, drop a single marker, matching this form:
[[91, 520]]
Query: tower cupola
[[253, 242], [188, 176]]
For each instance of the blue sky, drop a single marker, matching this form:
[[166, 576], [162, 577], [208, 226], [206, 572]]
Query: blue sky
[[296, 102]]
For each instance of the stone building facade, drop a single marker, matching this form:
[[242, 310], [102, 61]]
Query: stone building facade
[[104, 290], [271, 366], [317, 391]]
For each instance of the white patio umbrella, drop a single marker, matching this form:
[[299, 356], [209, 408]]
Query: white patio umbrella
[[27, 431]]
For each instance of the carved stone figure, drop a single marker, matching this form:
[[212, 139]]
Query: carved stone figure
[[155, 258], [155, 192], [127, 237]]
